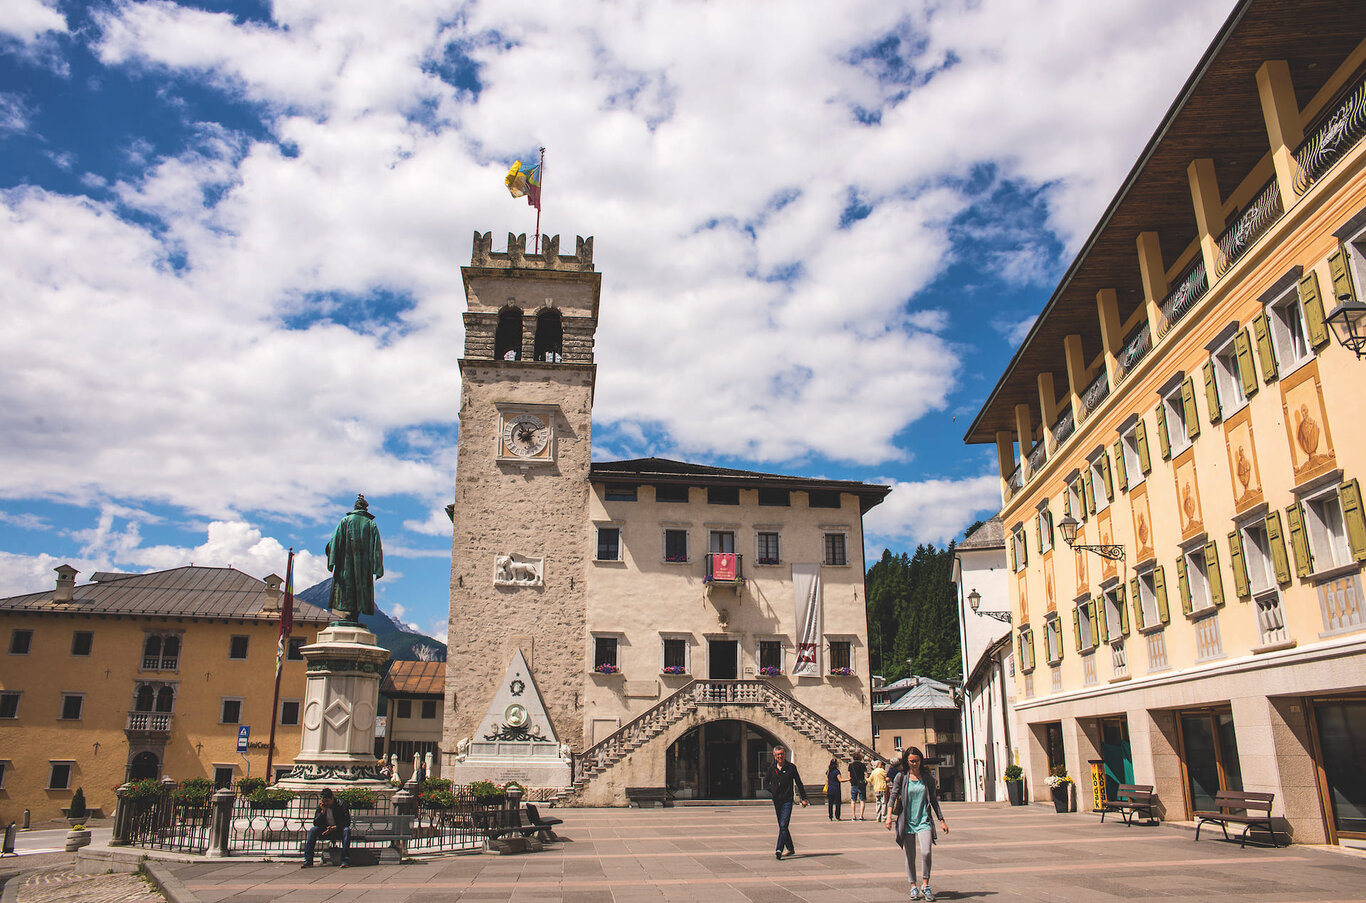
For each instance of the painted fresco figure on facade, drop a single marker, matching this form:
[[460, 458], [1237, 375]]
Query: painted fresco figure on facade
[[355, 558]]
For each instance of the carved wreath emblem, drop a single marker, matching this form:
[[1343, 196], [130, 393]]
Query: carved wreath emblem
[[524, 733], [517, 687]]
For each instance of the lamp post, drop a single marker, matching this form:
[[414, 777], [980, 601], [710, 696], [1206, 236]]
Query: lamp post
[[1348, 320], [1068, 527], [975, 599]]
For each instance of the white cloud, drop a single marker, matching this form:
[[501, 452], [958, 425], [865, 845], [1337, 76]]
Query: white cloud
[[931, 510], [28, 20]]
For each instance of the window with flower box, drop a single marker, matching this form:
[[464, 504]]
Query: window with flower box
[[675, 545], [770, 658], [674, 655], [767, 549], [841, 657], [605, 655]]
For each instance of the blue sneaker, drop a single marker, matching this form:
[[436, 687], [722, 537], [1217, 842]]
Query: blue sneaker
[[915, 892], [927, 895]]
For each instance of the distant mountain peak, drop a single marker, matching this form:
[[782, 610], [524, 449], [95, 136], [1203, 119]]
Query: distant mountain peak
[[402, 640]]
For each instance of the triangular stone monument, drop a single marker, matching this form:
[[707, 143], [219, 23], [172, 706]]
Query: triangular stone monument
[[515, 741]]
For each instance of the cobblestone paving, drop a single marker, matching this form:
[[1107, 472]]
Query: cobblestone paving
[[64, 885]]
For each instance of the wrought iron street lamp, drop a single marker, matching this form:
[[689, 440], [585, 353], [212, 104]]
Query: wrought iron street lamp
[[1068, 527], [1348, 320], [975, 599]]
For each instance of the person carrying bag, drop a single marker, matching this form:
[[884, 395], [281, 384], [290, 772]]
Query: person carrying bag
[[914, 796]]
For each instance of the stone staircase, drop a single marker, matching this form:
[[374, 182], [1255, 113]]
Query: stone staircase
[[698, 694]]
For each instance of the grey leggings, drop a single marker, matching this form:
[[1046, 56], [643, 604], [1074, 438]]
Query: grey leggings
[[918, 848]]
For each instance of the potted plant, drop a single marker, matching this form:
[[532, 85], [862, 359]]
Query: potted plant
[[271, 798], [1061, 786], [248, 786], [193, 794], [841, 672], [1015, 785], [143, 794], [770, 671], [78, 813], [604, 668], [435, 793], [673, 669], [354, 798], [77, 837]]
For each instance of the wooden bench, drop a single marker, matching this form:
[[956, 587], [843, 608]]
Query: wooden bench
[[545, 825], [508, 821], [656, 796], [1237, 807], [1131, 800], [367, 831]]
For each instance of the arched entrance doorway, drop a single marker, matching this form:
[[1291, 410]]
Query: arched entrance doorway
[[144, 765], [719, 760]]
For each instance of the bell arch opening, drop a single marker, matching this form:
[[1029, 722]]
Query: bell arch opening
[[549, 336], [720, 760], [507, 340]]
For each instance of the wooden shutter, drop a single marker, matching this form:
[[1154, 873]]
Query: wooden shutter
[[1279, 562], [1349, 493], [1090, 490], [1038, 531], [1216, 413], [1241, 585], [1066, 501], [1188, 404], [1011, 553], [1160, 591], [1183, 583], [1109, 481], [1020, 643], [1120, 466], [1145, 463], [1247, 371], [1164, 442], [1031, 649], [1122, 608], [1076, 626], [1096, 612], [1341, 270], [1056, 626], [1299, 540], [1312, 301], [1213, 574], [1136, 600], [1265, 350], [1024, 548]]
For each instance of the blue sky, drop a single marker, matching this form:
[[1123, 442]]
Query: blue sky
[[233, 235]]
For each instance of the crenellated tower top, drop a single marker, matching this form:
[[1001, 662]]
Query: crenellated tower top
[[517, 258]]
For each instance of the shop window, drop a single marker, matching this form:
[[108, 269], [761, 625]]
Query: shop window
[[609, 544], [72, 703], [237, 647], [231, 711], [289, 711], [9, 704], [671, 494], [619, 492], [1210, 753], [59, 775], [836, 553], [1341, 728], [775, 498], [767, 549], [20, 641], [81, 642], [675, 545]]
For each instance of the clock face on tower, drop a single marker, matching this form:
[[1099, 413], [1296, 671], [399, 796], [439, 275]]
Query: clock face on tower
[[526, 436]]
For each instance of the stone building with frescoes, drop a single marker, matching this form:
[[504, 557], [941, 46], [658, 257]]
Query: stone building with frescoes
[[643, 624], [1181, 448]]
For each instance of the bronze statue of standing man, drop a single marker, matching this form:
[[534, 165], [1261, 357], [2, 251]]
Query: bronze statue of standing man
[[355, 558]]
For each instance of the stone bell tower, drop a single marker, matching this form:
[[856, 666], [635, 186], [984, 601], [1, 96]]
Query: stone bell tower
[[521, 532]]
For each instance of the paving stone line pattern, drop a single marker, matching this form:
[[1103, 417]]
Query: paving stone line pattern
[[63, 884], [726, 854]]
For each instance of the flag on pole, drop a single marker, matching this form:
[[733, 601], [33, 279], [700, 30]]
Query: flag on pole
[[525, 182], [286, 615]]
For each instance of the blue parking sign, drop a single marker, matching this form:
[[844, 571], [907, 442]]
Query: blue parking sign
[[243, 733]]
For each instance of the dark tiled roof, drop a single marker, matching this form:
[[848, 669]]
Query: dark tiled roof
[[991, 535], [185, 592], [916, 694], [664, 470], [415, 679]]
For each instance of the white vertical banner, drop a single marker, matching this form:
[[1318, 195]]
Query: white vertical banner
[[806, 590]]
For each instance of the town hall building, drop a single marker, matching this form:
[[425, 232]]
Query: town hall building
[[646, 624]]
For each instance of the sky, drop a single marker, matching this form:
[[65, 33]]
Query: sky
[[231, 237]]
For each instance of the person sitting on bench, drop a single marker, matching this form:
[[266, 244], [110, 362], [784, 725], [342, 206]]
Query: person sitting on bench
[[331, 821]]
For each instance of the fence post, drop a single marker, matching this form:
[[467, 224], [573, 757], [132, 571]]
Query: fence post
[[220, 829], [123, 818], [405, 806], [166, 806]]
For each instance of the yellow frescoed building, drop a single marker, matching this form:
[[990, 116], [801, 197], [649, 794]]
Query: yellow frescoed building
[[1183, 409], [143, 675]]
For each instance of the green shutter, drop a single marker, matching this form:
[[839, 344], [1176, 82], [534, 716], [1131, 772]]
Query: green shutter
[[1019, 642], [1038, 531], [1109, 481], [1066, 501], [1031, 649], [1213, 574], [1241, 585], [1342, 277], [1247, 371], [1076, 627], [1312, 300], [1262, 330], [1011, 553], [1024, 549], [1216, 413], [1164, 442], [1119, 466], [1183, 583], [1279, 562], [1145, 463], [1090, 493], [1123, 609], [1299, 540], [1099, 632], [1349, 493], [1188, 403], [1136, 600], [1160, 591]]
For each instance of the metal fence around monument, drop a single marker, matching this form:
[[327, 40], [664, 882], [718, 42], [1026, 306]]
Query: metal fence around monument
[[163, 824], [281, 832]]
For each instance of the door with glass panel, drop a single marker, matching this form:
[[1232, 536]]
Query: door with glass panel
[[1209, 756], [1340, 735]]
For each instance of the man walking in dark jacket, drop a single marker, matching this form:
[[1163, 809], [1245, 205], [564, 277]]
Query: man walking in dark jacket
[[782, 781], [332, 820]]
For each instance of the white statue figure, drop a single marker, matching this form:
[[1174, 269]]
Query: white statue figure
[[462, 749], [427, 764], [417, 766], [564, 751]]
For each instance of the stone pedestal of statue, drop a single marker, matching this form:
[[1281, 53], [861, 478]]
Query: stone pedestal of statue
[[338, 744]]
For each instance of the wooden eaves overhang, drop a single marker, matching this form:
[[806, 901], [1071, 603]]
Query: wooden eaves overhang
[[1217, 116]]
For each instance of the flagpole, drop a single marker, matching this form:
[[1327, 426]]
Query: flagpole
[[540, 171], [279, 660]]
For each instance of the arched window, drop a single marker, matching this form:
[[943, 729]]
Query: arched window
[[144, 699], [549, 336], [151, 653], [165, 699], [507, 341]]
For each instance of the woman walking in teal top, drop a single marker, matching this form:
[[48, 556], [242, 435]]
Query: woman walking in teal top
[[915, 832]]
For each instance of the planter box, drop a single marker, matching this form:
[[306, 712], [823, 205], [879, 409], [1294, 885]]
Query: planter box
[[1062, 798], [1015, 791]]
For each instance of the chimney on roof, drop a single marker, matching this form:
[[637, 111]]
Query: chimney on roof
[[66, 583], [273, 584]]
